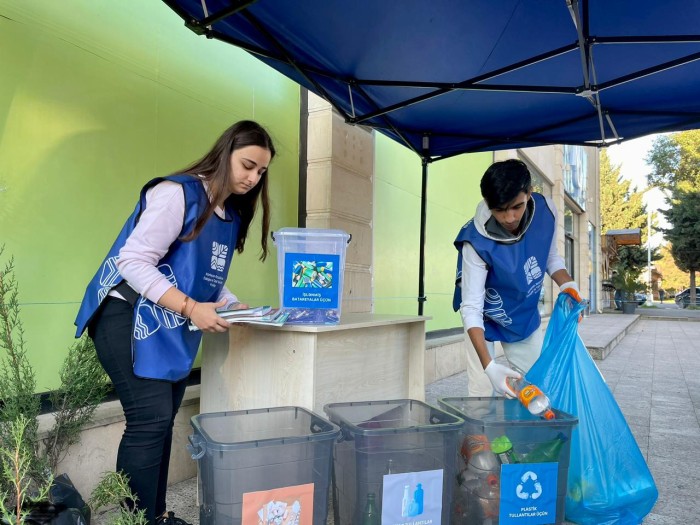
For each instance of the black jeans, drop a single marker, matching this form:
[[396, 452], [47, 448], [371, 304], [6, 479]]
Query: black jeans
[[149, 406]]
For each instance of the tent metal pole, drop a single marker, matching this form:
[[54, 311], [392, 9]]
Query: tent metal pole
[[423, 206]]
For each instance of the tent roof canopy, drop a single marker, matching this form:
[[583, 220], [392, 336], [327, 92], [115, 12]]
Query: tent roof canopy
[[449, 77]]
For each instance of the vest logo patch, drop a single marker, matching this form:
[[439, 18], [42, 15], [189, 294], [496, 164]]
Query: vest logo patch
[[109, 275], [493, 308], [150, 316], [532, 270], [219, 252]]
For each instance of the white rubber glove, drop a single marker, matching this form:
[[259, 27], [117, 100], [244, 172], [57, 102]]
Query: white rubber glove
[[571, 288], [498, 374]]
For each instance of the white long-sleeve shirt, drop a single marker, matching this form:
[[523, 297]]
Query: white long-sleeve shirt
[[158, 227], [475, 271]]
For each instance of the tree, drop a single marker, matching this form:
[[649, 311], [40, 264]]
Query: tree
[[684, 233], [674, 279], [622, 208], [675, 161]]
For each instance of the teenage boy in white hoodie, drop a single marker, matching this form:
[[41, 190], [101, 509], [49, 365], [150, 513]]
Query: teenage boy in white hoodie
[[504, 251]]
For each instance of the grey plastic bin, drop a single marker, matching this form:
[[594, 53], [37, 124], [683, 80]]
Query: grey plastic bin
[[249, 451], [486, 421], [402, 436]]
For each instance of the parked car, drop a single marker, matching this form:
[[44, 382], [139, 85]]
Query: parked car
[[683, 298], [640, 298]]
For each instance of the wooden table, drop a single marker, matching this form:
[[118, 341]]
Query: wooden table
[[365, 357]]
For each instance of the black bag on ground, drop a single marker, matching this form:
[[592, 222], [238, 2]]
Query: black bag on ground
[[65, 506]]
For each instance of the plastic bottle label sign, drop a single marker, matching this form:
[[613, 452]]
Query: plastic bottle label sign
[[412, 498], [528, 493], [310, 280]]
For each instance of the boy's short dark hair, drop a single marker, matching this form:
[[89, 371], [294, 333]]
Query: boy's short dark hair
[[503, 181]]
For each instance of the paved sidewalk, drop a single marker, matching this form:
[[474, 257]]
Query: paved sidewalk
[[653, 374], [652, 370]]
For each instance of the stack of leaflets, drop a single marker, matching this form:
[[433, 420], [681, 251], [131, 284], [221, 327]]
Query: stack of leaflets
[[263, 315]]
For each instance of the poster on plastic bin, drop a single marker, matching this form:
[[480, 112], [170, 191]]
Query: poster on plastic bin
[[412, 498], [528, 493], [310, 280], [283, 506]]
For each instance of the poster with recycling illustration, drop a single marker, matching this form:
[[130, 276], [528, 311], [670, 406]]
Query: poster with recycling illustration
[[311, 280], [283, 506], [528, 493], [412, 498]]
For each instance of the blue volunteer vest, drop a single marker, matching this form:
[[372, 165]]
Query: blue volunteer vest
[[163, 347], [515, 275]]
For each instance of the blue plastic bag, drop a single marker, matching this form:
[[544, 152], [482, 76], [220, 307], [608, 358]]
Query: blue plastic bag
[[609, 481]]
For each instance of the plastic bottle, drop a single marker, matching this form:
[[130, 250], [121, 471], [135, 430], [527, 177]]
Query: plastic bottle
[[489, 496], [371, 516], [390, 469], [503, 448], [531, 397], [547, 452], [476, 451]]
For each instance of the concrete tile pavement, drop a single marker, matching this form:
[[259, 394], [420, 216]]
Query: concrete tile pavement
[[653, 374], [652, 371]]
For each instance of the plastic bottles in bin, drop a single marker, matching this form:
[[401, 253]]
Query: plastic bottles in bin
[[477, 500], [489, 497], [546, 452], [531, 397], [503, 448], [477, 453]]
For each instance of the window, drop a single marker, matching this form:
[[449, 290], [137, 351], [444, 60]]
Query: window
[[575, 168], [539, 184], [569, 241], [593, 265]]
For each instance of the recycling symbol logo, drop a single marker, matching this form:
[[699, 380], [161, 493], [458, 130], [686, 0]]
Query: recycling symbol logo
[[530, 487]]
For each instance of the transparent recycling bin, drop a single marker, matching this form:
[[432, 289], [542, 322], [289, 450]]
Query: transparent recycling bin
[[395, 459], [311, 268], [512, 467], [258, 465]]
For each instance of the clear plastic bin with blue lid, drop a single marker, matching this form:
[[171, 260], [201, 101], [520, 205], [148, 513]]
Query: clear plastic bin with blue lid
[[311, 270], [253, 464], [394, 461], [510, 464]]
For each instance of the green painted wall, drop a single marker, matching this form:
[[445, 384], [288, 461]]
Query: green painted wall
[[453, 193], [96, 98]]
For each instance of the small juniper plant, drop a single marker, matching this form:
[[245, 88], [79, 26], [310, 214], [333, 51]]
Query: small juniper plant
[[83, 386], [113, 489], [17, 461], [17, 385]]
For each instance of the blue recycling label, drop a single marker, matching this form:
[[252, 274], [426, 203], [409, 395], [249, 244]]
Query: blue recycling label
[[528, 493], [311, 280]]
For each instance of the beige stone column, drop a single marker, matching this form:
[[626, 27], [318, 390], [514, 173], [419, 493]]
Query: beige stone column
[[340, 193]]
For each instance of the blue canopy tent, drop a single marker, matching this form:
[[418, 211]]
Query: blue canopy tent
[[456, 76]]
